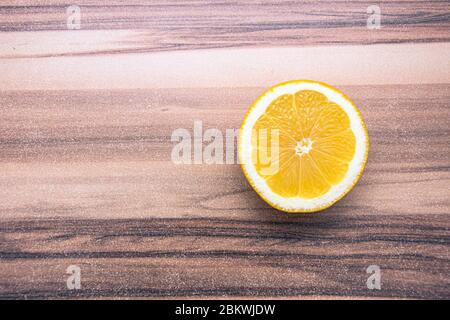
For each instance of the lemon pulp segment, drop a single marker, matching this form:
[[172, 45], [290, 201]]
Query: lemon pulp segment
[[316, 144]]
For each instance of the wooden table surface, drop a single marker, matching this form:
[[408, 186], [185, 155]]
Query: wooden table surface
[[86, 176]]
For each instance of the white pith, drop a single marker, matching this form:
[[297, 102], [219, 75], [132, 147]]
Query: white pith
[[299, 204], [303, 147]]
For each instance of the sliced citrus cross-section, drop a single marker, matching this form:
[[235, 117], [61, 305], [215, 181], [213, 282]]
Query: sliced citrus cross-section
[[303, 145]]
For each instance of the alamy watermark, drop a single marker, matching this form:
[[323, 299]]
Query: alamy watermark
[[374, 280], [212, 146], [73, 17], [374, 19], [74, 280]]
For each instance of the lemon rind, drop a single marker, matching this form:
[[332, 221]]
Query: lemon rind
[[343, 187]]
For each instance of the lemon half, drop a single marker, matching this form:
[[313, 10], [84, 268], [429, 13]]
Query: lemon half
[[303, 145]]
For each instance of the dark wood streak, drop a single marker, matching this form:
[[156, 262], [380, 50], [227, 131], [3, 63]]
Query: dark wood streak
[[409, 248]]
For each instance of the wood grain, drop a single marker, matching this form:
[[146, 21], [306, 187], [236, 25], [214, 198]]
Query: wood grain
[[181, 25], [111, 151], [86, 176], [70, 160], [324, 255]]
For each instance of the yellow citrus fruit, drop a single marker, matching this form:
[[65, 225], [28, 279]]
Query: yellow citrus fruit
[[303, 146]]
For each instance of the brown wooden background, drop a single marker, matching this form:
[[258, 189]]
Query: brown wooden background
[[86, 176]]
